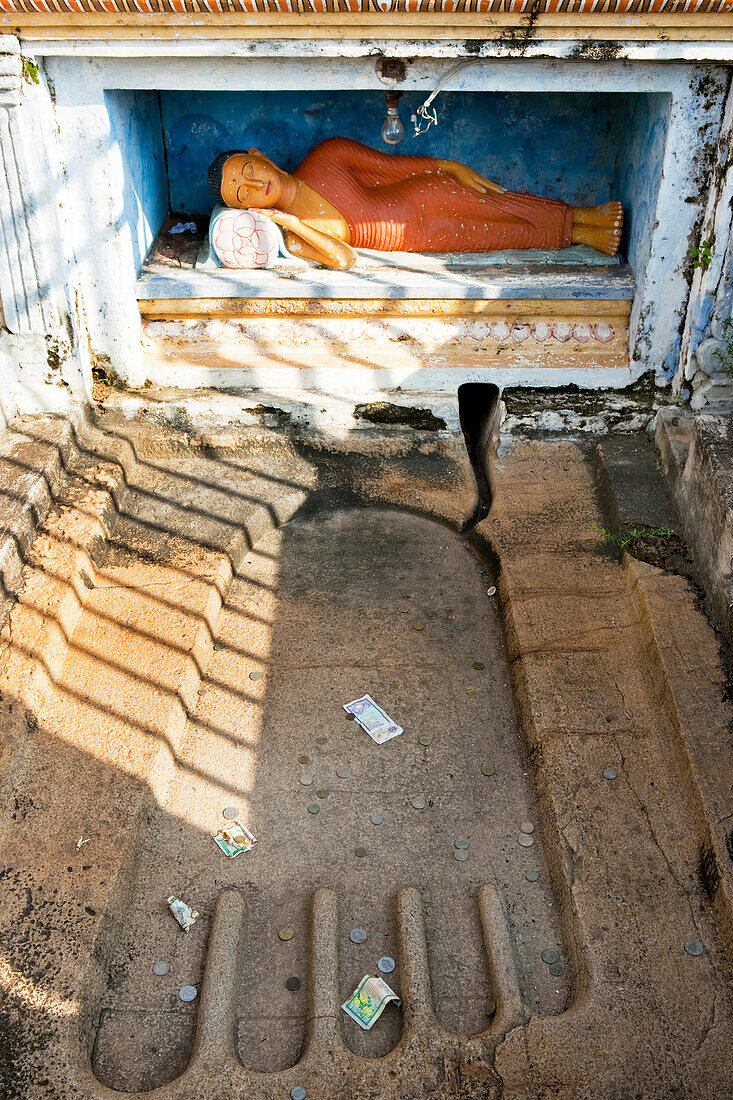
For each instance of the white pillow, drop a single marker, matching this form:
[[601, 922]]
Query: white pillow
[[243, 238]]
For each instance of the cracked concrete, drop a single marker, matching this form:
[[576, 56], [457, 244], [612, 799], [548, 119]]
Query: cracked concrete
[[155, 579]]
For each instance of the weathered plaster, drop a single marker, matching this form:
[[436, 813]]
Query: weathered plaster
[[705, 361], [36, 268]]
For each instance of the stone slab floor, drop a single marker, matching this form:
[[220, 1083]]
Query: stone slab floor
[[181, 639]]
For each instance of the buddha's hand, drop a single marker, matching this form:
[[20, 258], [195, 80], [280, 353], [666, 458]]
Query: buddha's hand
[[468, 178], [287, 221]]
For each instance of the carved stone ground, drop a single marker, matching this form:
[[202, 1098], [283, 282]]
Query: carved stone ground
[[180, 638]]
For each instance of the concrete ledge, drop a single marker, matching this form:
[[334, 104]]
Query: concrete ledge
[[697, 457]]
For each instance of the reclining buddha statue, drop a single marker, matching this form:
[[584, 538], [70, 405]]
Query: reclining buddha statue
[[345, 195]]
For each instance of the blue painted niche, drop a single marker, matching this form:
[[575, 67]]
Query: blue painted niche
[[561, 145], [581, 147]]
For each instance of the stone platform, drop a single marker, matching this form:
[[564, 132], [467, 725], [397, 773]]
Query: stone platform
[[192, 613]]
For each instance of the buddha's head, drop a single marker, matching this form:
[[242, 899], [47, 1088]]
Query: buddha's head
[[246, 179]]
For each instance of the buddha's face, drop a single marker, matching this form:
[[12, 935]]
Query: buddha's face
[[249, 180]]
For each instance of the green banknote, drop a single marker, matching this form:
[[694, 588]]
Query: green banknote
[[368, 1001]]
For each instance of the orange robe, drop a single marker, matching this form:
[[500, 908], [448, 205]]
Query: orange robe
[[404, 204]]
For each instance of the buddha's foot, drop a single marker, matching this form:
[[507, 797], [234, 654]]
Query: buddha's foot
[[599, 226]]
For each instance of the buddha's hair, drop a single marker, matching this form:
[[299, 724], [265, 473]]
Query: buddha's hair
[[213, 176]]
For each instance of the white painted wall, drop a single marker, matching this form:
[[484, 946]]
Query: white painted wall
[[94, 205]]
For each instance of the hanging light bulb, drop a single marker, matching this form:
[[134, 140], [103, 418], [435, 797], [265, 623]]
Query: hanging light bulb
[[392, 129]]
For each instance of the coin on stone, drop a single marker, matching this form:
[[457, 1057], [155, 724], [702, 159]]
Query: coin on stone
[[426, 741], [525, 840], [314, 808], [343, 771], [610, 773], [297, 1092], [491, 591], [256, 675], [460, 854], [376, 819], [231, 813], [304, 759], [418, 626], [404, 611], [470, 691], [478, 665], [557, 970], [386, 964], [417, 803], [532, 876], [321, 794], [357, 935], [460, 842], [488, 769], [460, 626], [161, 967], [550, 956], [526, 827], [490, 1008], [187, 993], [306, 780], [292, 984], [286, 934], [359, 852], [694, 947]]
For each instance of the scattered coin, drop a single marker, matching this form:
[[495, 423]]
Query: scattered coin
[[160, 968], [357, 935], [526, 827], [550, 956], [610, 773], [187, 993], [297, 1093], [460, 842], [231, 813], [386, 964], [488, 770], [694, 947], [557, 970], [460, 854], [292, 984], [359, 852], [343, 771], [418, 626], [491, 591], [525, 840], [490, 1008], [532, 876], [286, 934], [426, 741], [256, 675], [218, 646], [470, 691], [404, 611], [321, 794], [479, 665], [306, 780], [376, 819], [304, 759], [460, 626], [481, 569], [418, 803], [349, 716], [314, 808]]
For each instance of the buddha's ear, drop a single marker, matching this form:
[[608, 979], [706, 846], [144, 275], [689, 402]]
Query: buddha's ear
[[264, 156]]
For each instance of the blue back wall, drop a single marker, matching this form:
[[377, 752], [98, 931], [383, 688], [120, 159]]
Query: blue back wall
[[561, 145]]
